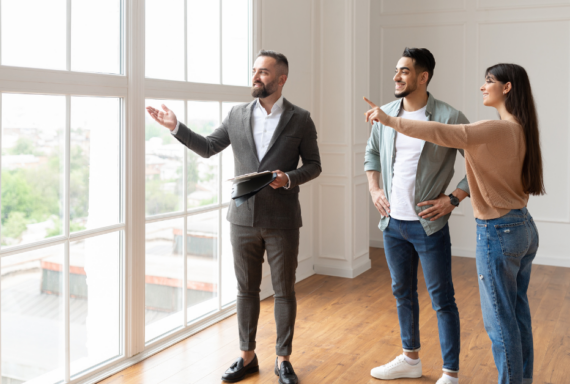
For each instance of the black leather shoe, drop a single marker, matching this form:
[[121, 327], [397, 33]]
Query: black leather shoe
[[286, 373], [237, 371]]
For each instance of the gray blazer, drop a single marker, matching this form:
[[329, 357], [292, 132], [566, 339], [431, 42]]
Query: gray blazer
[[294, 137]]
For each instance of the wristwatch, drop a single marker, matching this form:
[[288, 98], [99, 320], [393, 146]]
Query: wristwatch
[[454, 200]]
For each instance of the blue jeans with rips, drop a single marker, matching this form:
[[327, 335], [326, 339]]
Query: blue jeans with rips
[[506, 248], [406, 243]]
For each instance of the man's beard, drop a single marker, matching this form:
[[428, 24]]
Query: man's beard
[[404, 93], [265, 90]]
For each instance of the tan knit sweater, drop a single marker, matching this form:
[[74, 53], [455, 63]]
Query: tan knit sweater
[[494, 154]]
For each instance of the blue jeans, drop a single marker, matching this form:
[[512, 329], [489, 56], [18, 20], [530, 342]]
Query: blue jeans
[[505, 249], [405, 243]]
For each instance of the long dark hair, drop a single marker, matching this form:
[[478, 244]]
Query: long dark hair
[[520, 103]]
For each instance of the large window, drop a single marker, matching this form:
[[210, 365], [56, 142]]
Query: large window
[[98, 203], [187, 260], [62, 232]]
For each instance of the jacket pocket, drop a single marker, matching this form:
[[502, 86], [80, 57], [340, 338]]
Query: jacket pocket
[[291, 141], [514, 239]]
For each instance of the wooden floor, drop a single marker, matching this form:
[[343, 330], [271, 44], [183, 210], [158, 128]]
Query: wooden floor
[[345, 327]]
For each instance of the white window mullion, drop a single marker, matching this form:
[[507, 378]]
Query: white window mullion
[[123, 41], [185, 42], [1, 132], [68, 37], [65, 273], [185, 205], [250, 34], [123, 275], [220, 207], [66, 317], [0, 217], [219, 256], [67, 166], [135, 183], [221, 50]]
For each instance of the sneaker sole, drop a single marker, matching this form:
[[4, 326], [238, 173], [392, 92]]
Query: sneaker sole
[[397, 377]]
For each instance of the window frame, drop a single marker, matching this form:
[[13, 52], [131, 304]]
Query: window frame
[[132, 87]]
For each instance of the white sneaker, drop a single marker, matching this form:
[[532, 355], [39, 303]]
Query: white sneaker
[[444, 380], [398, 368]]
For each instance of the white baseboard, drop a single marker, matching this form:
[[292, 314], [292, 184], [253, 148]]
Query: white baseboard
[[462, 252], [555, 261], [376, 243], [343, 272], [541, 259]]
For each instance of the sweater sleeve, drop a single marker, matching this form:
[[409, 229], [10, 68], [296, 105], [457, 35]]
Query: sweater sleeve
[[452, 136]]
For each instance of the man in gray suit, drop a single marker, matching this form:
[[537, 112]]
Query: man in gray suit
[[268, 133]]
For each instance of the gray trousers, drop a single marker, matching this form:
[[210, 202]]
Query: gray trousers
[[282, 246]]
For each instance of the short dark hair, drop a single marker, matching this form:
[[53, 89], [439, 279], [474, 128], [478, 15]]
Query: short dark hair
[[423, 60], [280, 58]]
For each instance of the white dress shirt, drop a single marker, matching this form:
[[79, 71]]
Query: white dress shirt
[[263, 127]]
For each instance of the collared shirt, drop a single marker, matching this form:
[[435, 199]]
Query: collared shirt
[[263, 125], [435, 165]]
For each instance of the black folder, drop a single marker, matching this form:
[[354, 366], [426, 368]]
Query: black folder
[[246, 186]]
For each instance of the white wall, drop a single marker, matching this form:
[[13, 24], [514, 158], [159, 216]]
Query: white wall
[[341, 78], [466, 37]]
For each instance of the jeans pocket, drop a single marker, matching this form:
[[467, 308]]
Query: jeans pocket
[[514, 238], [537, 235]]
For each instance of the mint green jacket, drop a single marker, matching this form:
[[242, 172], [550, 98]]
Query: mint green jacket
[[435, 166]]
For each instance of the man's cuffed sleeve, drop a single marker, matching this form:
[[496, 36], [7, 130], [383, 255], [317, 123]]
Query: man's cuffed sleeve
[[286, 186], [372, 154], [175, 130], [463, 184]]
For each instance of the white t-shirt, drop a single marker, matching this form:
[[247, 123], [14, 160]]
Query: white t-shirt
[[408, 151]]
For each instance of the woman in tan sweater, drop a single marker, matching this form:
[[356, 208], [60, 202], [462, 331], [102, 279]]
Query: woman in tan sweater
[[504, 166]]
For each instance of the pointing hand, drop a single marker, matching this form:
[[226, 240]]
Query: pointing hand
[[375, 114]]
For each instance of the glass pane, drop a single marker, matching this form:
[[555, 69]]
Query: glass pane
[[202, 264], [96, 49], [32, 316], [95, 185], [32, 167], [164, 162], [95, 300], [203, 41], [164, 277], [202, 174], [164, 36], [229, 282], [235, 42], [227, 160], [34, 33]]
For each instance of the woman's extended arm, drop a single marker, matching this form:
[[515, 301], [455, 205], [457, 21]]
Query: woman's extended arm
[[452, 136]]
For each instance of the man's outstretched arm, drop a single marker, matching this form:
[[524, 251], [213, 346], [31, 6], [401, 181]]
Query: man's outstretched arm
[[203, 146]]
